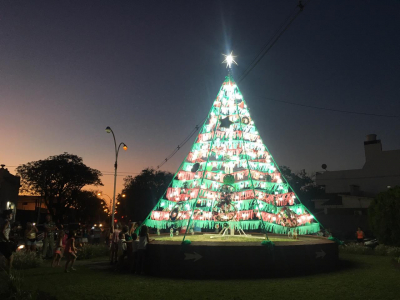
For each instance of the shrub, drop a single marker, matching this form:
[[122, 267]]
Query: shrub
[[88, 251], [26, 260], [12, 287], [383, 216], [381, 250], [356, 249], [393, 251], [378, 250]]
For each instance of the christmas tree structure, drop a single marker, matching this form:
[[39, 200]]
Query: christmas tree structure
[[230, 179]]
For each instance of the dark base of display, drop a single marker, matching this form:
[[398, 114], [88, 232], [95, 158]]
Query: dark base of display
[[241, 260]]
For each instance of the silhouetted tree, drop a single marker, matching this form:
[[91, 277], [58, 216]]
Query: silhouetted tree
[[143, 192], [383, 214], [57, 179], [303, 184], [87, 207]]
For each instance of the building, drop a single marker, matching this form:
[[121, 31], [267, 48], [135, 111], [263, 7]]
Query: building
[[30, 203], [9, 188], [28, 208], [349, 193], [380, 172]]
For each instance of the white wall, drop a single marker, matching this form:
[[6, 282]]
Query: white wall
[[381, 169]]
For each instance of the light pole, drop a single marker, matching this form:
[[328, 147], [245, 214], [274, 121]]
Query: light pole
[[125, 147]]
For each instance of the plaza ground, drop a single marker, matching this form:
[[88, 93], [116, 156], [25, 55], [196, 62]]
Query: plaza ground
[[359, 277]]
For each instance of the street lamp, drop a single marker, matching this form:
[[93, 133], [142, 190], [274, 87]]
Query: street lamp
[[125, 147]]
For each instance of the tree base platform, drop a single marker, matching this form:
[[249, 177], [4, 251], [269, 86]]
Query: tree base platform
[[239, 257]]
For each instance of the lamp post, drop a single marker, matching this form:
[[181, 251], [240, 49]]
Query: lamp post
[[125, 147]]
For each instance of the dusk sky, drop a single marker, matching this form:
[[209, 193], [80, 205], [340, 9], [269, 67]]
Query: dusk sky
[[152, 69]]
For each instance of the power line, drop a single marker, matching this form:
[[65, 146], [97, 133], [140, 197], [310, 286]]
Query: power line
[[275, 37], [332, 109], [273, 40], [119, 175], [195, 129]]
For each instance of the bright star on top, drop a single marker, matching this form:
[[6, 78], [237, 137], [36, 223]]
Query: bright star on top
[[229, 59]]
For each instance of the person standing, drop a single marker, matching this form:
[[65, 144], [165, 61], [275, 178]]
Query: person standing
[[30, 237], [96, 235], [70, 251], [7, 247], [360, 235], [122, 250], [58, 253], [142, 246], [48, 241], [135, 248], [114, 243]]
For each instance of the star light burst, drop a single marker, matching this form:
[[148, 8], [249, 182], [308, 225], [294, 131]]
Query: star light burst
[[229, 59]]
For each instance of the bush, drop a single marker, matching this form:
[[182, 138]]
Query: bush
[[26, 260], [356, 249], [88, 251], [383, 216], [381, 250], [13, 287], [393, 251]]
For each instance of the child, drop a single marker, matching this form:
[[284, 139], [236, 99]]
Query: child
[[114, 243], [143, 241], [135, 246], [58, 251], [70, 251], [128, 239], [122, 249]]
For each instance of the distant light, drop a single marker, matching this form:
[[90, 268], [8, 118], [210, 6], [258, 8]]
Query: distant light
[[108, 129], [125, 147], [123, 195]]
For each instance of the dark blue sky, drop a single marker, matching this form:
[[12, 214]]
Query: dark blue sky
[[151, 70]]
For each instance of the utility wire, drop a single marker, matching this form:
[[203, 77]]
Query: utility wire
[[195, 129], [272, 41], [275, 37]]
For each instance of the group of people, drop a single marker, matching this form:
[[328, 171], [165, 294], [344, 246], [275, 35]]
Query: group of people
[[128, 250], [65, 245], [31, 236]]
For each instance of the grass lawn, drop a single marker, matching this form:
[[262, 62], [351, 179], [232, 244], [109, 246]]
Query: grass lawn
[[216, 238], [364, 277]]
